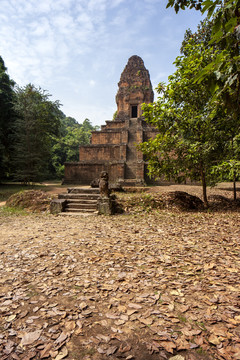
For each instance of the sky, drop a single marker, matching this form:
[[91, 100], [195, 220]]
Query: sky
[[77, 49]]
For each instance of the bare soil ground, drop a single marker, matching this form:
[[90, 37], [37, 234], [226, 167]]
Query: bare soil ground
[[156, 285], [223, 189]]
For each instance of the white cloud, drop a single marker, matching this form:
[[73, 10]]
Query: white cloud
[[92, 83], [115, 3], [122, 17]]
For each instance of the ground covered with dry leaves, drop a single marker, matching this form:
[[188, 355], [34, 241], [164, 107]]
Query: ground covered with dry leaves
[[164, 285]]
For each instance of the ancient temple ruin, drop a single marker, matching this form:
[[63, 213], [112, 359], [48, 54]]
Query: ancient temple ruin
[[113, 148]]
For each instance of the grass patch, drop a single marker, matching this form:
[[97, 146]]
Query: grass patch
[[202, 352], [9, 211], [182, 318], [201, 325]]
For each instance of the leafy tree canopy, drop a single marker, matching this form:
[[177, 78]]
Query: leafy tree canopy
[[224, 70], [66, 146], [38, 119], [6, 118], [189, 141]]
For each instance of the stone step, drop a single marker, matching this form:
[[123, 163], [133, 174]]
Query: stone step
[[82, 201], [82, 213], [81, 190], [73, 210], [80, 206], [79, 196]]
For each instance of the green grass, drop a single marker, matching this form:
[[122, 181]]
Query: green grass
[[8, 211], [182, 318]]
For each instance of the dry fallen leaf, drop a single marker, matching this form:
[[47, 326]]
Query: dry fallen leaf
[[61, 338], [147, 321], [123, 349], [213, 339], [191, 332], [134, 306], [45, 353], [168, 346], [62, 353], [11, 318], [30, 338], [70, 325], [111, 350]]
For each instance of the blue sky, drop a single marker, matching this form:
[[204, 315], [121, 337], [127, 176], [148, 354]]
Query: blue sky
[[77, 49]]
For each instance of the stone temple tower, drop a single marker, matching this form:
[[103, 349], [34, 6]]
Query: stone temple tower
[[113, 148], [135, 88]]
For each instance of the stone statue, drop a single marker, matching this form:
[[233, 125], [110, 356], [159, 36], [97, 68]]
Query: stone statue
[[103, 185]]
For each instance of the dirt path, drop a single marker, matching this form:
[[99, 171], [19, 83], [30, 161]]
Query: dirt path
[[126, 287]]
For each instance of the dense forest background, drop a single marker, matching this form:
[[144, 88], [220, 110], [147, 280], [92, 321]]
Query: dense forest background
[[36, 137]]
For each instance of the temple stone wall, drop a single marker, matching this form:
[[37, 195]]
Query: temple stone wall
[[102, 153], [109, 137], [113, 125], [84, 173]]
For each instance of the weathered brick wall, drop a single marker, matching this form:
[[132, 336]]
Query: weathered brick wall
[[116, 171], [140, 170], [113, 125], [108, 137], [84, 173], [92, 153], [134, 87]]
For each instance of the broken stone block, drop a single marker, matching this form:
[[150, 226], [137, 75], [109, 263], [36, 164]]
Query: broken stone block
[[57, 206]]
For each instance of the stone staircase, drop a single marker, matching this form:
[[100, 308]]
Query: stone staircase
[[80, 200]]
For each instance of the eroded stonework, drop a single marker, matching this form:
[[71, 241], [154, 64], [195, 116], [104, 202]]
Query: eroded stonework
[[135, 88], [113, 148]]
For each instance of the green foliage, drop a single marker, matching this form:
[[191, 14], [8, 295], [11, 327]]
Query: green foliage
[[66, 146], [36, 138], [225, 34], [9, 211], [182, 4], [6, 118], [188, 144], [38, 119]]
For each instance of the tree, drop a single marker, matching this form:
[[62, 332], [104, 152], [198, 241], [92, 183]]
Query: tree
[[225, 34], [189, 141], [66, 147], [37, 120], [229, 167], [6, 118], [182, 4]]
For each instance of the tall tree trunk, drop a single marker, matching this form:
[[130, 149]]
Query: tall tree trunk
[[204, 188], [234, 188]]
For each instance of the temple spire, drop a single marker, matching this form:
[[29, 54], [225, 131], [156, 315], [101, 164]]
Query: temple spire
[[135, 88]]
